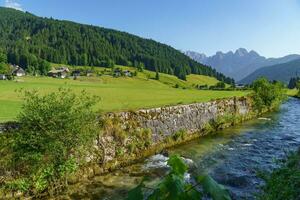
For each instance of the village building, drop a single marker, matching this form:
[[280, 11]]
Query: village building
[[76, 73], [66, 69], [117, 72], [89, 73], [18, 71], [2, 77], [127, 73], [58, 73], [239, 86]]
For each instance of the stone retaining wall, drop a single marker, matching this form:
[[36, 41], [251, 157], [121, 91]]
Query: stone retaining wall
[[129, 136], [191, 118], [188, 121], [145, 129]]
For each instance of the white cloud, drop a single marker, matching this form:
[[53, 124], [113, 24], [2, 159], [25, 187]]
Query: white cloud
[[13, 4]]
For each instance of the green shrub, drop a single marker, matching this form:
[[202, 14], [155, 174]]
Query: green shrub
[[112, 127], [267, 95], [283, 183], [131, 147], [209, 127], [119, 151], [56, 131], [21, 185], [147, 144], [146, 134], [179, 135]]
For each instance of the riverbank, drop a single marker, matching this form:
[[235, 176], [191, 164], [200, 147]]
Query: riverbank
[[129, 137], [232, 156], [283, 183], [293, 93]]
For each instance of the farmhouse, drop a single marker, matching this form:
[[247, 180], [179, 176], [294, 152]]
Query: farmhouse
[[239, 86], [89, 73], [58, 73], [127, 73], [118, 72], [66, 69], [2, 77], [18, 71], [76, 73]]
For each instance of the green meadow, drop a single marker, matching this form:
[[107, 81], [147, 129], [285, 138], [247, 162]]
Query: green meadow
[[117, 94], [292, 92]]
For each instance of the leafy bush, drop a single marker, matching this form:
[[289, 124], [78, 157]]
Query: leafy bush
[[283, 183], [221, 85], [56, 131], [174, 187], [4, 68], [221, 121], [267, 95]]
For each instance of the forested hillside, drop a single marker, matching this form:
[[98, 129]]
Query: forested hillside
[[27, 38], [281, 72]]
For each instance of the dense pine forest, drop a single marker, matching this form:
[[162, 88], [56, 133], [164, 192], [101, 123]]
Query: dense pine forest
[[29, 40]]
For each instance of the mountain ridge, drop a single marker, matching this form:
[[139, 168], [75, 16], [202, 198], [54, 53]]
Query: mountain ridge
[[280, 72], [240, 63]]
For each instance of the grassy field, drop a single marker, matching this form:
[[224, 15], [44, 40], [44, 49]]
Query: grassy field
[[292, 92], [192, 79], [116, 94]]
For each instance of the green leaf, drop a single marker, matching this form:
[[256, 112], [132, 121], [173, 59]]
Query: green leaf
[[156, 195], [211, 187], [177, 165], [192, 193], [136, 193]]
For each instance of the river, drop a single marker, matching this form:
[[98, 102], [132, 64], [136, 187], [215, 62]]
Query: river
[[232, 157]]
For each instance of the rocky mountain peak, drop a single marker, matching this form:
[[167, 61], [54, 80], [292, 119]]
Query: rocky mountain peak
[[241, 52], [240, 63]]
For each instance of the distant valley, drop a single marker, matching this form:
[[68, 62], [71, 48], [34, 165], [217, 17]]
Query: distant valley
[[239, 64]]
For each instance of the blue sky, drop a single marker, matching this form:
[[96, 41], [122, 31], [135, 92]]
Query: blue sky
[[271, 27]]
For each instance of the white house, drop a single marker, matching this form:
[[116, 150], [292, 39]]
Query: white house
[[2, 77], [19, 72], [60, 72]]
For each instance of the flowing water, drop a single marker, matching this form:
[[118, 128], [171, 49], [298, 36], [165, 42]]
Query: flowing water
[[232, 157]]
